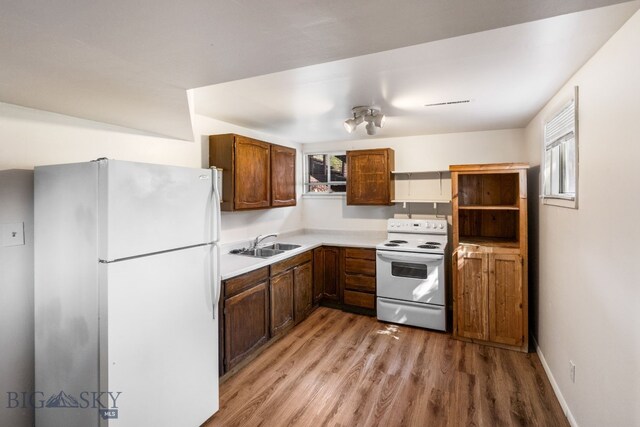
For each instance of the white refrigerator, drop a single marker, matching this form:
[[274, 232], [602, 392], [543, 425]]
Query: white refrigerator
[[127, 283]]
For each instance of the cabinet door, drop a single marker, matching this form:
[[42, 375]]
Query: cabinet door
[[281, 302], [331, 269], [283, 176], [505, 299], [252, 174], [472, 295], [246, 321], [369, 177], [318, 274], [303, 291]]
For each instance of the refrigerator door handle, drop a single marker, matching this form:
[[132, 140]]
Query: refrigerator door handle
[[216, 204], [216, 284]]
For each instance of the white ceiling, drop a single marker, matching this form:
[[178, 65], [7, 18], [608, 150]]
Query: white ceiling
[[508, 73], [129, 63]]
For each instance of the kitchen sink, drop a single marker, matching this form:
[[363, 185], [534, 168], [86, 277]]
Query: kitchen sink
[[282, 246], [260, 252]]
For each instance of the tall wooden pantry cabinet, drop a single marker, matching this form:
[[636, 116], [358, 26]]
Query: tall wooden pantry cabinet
[[490, 303]]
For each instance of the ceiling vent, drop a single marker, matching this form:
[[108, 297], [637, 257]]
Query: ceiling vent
[[436, 104]]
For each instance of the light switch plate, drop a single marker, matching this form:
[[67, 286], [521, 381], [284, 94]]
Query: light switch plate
[[13, 234]]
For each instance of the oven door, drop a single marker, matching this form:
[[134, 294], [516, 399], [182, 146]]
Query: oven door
[[410, 276]]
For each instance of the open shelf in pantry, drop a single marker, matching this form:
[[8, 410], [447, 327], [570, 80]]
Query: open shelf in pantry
[[488, 191], [498, 226]]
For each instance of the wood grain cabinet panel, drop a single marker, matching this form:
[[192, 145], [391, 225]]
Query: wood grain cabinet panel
[[283, 176], [281, 299], [370, 181], [318, 274], [252, 174], [302, 291], [255, 174], [331, 274], [472, 302], [359, 278], [505, 299], [246, 323]]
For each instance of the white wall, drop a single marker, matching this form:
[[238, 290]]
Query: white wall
[[16, 297], [31, 137], [588, 287], [415, 153]]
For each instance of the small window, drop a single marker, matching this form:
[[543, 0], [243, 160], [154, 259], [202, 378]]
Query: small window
[[560, 160], [325, 173]]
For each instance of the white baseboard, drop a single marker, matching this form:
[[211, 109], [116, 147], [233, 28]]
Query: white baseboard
[[554, 385]]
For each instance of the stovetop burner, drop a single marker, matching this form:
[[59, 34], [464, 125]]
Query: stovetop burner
[[398, 241], [428, 246], [391, 244]]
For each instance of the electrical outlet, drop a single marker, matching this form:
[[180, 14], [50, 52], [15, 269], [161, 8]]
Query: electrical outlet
[[12, 234], [572, 371]]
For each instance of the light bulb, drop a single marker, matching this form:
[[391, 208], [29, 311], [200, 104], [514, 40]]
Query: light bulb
[[371, 129]]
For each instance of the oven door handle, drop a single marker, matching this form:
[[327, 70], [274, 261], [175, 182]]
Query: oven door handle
[[409, 257]]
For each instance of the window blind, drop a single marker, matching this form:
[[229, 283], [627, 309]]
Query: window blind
[[562, 125]]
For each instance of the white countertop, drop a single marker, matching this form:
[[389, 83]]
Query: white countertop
[[233, 265]]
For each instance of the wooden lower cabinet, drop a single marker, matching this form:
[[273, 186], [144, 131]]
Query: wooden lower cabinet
[[331, 274], [490, 304], [268, 302], [291, 291], [359, 278], [246, 316], [506, 319], [318, 274], [302, 291], [472, 298], [281, 293]]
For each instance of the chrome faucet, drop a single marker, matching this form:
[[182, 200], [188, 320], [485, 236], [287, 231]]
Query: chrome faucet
[[260, 238]]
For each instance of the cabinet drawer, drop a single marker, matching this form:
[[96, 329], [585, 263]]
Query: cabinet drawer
[[285, 265], [360, 266], [238, 284], [360, 253], [360, 283], [359, 299]]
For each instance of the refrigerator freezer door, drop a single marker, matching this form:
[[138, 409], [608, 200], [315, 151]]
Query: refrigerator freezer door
[[159, 340], [147, 208]]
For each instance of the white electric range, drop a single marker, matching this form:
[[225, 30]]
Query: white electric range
[[410, 278]]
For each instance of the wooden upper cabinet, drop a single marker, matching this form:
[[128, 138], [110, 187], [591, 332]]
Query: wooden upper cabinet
[[252, 174], [369, 178], [283, 176], [256, 174]]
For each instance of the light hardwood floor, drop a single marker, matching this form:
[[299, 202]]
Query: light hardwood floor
[[341, 369]]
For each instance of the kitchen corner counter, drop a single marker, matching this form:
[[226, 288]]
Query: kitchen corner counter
[[234, 265]]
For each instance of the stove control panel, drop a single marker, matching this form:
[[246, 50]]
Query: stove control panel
[[417, 226]]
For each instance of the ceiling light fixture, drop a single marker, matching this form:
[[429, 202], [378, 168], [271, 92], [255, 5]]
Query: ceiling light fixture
[[372, 115]]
